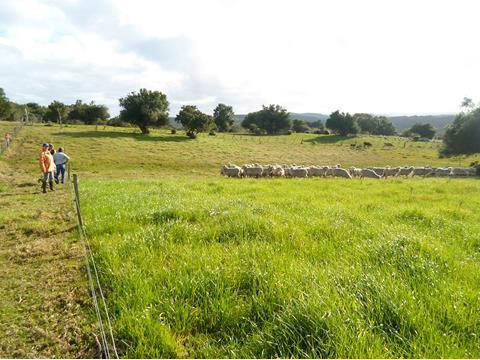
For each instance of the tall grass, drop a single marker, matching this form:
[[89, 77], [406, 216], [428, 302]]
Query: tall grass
[[289, 268]]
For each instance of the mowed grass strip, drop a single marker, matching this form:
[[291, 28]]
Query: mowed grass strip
[[289, 268]]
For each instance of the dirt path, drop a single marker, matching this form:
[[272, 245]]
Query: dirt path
[[44, 300]]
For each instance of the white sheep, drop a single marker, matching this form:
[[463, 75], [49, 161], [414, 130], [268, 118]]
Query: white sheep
[[369, 173]]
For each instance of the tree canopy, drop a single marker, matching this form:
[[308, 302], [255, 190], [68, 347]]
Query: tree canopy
[[342, 123], [424, 130], [375, 125], [300, 126], [145, 109], [223, 117], [272, 119], [56, 112], [88, 113], [463, 136], [5, 106], [193, 120]]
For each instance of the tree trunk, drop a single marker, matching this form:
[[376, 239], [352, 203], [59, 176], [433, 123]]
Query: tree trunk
[[144, 130]]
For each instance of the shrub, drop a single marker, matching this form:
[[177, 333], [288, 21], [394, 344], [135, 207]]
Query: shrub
[[212, 133], [173, 131], [191, 134]]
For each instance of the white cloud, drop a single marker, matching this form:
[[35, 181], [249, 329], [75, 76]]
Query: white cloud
[[372, 56]]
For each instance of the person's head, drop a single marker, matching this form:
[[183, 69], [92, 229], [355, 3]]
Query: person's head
[[45, 147], [50, 146], [60, 150]]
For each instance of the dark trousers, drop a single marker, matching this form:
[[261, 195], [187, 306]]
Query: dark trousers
[[60, 171]]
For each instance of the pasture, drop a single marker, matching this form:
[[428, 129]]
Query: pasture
[[196, 265]]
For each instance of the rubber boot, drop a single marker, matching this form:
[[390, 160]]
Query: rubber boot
[[44, 187], [51, 185]]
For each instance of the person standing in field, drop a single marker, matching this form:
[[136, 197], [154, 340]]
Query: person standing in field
[[47, 165], [60, 159], [51, 149]]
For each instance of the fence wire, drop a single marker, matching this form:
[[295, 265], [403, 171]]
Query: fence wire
[[107, 343]]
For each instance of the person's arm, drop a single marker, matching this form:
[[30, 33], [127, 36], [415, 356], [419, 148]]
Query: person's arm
[[42, 164], [66, 157]]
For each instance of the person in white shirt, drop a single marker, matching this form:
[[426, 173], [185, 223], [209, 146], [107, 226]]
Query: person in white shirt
[[60, 159]]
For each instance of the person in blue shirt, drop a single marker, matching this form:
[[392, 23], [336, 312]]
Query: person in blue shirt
[[60, 159]]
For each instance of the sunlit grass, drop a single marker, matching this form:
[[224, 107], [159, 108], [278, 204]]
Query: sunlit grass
[[289, 268]]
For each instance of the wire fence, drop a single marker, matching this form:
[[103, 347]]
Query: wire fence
[[107, 341], [8, 137]]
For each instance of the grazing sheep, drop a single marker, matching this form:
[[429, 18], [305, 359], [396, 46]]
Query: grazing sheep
[[463, 171], [405, 171], [391, 171], [253, 170], [369, 173], [421, 171], [277, 171], [378, 170], [299, 172], [339, 172], [315, 171], [355, 172], [231, 171], [440, 172]]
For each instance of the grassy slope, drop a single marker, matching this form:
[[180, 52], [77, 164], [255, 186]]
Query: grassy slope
[[43, 293], [212, 267]]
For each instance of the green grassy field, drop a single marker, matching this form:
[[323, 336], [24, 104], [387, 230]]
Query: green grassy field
[[196, 265], [300, 268]]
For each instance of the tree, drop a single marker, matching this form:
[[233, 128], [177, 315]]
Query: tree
[[375, 125], [424, 130], [88, 113], [272, 119], [342, 123], [56, 112], [463, 136], [317, 124], [300, 126], [224, 117], [5, 106], [467, 104], [36, 112], [145, 109], [193, 120]]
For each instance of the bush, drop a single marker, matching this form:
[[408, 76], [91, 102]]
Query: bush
[[326, 132], [462, 137], [212, 133], [116, 122], [191, 135], [173, 131], [289, 132]]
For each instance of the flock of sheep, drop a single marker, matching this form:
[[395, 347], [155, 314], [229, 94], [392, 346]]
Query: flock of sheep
[[257, 170]]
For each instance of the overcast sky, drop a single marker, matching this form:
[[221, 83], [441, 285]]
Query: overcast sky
[[391, 57]]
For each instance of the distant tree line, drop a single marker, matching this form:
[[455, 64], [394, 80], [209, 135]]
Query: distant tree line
[[56, 112], [147, 109]]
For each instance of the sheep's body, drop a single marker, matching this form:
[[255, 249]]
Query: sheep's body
[[299, 172], [355, 172], [391, 171], [369, 173], [405, 171], [339, 172], [421, 171], [253, 170], [231, 171], [463, 171]]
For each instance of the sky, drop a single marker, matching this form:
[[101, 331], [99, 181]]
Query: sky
[[383, 57]]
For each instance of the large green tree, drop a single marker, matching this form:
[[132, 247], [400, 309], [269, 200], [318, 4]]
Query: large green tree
[[342, 123], [463, 136], [5, 106], [223, 117], [88, 113], [272, 119], [193, 120], [300, 126], [375, 125], [36, 112], [145, 109], [56, 112], [424, 130]]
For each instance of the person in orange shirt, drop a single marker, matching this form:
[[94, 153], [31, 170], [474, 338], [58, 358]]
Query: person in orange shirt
[[47, 165]]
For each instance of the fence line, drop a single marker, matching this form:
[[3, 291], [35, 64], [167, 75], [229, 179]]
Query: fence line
[[107, 342]]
